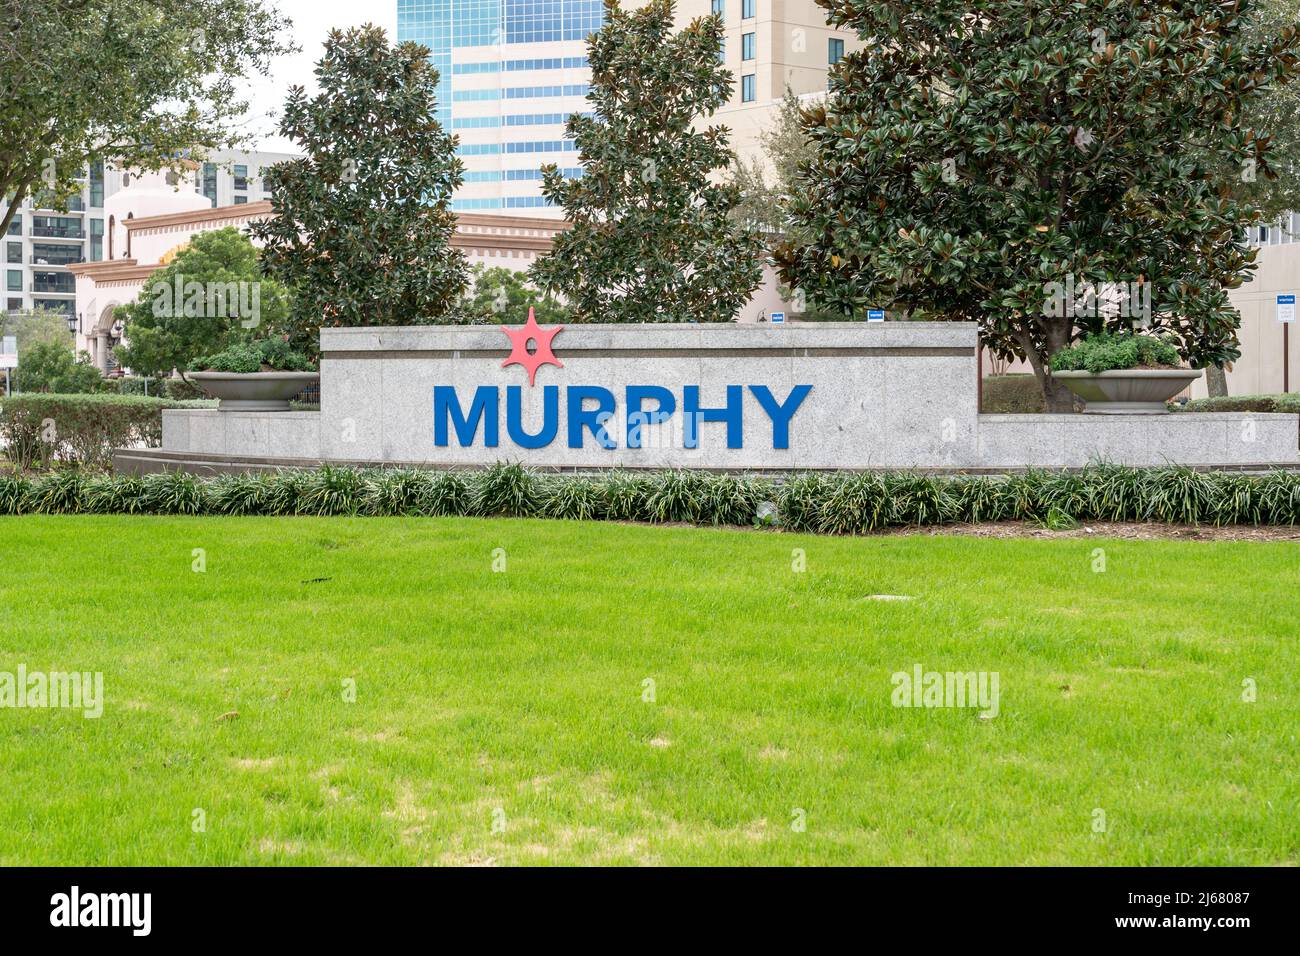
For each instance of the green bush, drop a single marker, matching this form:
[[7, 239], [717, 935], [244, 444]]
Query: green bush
[[836, 503], [1243, 403], [1108, 351], [137, 385], [37, 430], [52, 367], [268, 355]]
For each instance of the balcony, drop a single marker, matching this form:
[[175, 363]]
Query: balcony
[[57, 256], [54, 232], [54, 283]]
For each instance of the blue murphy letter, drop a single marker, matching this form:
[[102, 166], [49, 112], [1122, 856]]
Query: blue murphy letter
[[636, 418], [482, 408], [515, 415], [780, 414], [594, 419], [733, 415]]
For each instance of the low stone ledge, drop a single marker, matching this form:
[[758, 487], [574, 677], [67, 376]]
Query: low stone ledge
[[1209, 439]]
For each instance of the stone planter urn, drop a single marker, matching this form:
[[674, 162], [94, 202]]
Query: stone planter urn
[[1130, 391], [253, 391]]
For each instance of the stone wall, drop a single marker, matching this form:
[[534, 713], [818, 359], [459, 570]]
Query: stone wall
[[886, 395]]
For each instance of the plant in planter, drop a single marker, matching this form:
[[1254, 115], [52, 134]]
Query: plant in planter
[[1123, 372], [254, 376]]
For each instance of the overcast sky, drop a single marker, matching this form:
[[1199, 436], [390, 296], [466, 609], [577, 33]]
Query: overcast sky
[[312, 20]]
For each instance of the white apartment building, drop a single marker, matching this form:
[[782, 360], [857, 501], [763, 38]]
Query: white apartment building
[[42, 242]]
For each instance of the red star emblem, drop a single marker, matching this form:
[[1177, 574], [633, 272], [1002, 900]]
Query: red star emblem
[[531, 332]]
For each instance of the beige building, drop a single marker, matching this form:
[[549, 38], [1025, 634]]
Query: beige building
[[769, 45], [1261, 369]]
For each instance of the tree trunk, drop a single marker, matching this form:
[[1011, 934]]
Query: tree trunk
[[1216, 381], [1056, 397]]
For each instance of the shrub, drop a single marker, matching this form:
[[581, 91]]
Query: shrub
[[398, 491], [136, 385], [1107, 351], [1012, 395], [268, 355], [578, 499], [52, 367], [1287, 403], [332, 491], [506, 489], [79, 429], [174, 493], [825, 503], [627, 495]]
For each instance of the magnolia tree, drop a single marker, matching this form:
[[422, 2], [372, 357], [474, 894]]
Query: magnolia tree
[[363, 223], [653, 239], [139, 82], [1045, 168]]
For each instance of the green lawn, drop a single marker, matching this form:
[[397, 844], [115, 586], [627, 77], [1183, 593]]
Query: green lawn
[[517, 697]]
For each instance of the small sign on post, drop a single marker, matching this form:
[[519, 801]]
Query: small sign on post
[[875, 315], [1286, 315], [1286, 307], [778, 318]]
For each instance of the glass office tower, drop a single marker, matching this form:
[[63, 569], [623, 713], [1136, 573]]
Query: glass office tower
[[512, 72]]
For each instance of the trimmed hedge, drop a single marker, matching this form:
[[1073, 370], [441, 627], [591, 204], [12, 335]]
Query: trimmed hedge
[[832, 503], [1244, 403], [37, 429], [1012, 395]]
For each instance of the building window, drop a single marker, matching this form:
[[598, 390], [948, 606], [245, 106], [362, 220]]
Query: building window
[[208, 182], [96, 240], [15, 252], [55, 254], [16, 225], [57, 227], [66, 306], [241, 177], [15, 283], [747, 88], [746, 9], [62, 282], [15, 305], [834, 50], [96, 184], [241, 200], [747, 46], [720, 8]]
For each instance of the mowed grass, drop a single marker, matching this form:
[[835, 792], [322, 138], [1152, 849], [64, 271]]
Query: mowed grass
[[501, 717]]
